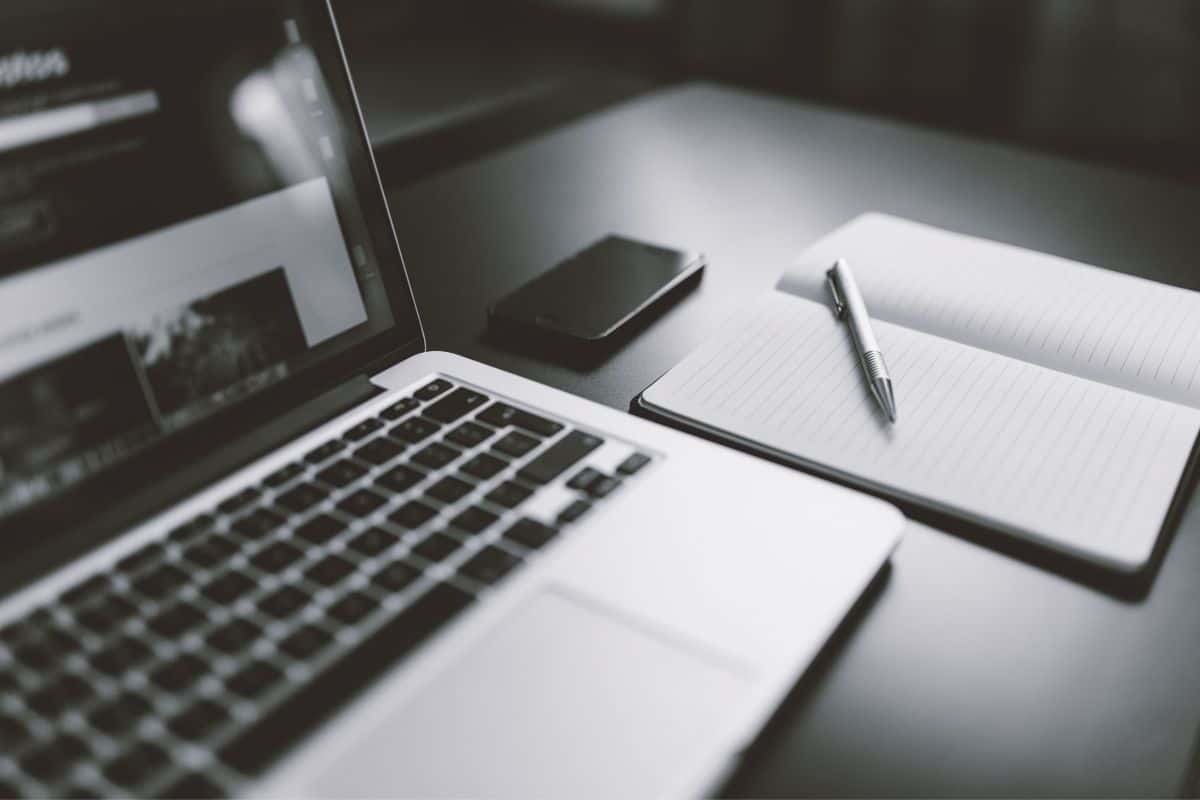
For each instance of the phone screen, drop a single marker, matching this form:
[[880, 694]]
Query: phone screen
[[593, 293]]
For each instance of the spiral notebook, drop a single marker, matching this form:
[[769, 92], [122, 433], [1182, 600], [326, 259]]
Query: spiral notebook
[[1049, 399]]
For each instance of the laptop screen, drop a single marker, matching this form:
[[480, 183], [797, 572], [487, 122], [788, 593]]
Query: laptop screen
[[181, 225]]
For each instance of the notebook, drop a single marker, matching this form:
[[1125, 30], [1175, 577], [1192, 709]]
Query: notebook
[[1049, 399]]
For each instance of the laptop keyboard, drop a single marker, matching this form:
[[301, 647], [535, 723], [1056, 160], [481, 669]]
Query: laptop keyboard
[[194, 662]]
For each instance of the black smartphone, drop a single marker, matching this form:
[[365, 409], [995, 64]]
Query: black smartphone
[[596, 294]]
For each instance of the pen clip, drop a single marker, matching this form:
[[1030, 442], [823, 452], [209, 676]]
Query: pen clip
[[839, 305]]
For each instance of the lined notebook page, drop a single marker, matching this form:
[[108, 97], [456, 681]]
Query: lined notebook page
[[1114, 328], [1084, 467]]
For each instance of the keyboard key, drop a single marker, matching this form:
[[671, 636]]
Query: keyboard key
[[228, 587], [305, 642], [195, 786], [37, 653], [273, 733], [142, 558], [59, 640], [396, 576], [137, 765], [254, 679], [398, 410], [161, 581], [530, 533], [436, 455], [379, 451], [470, 434], [432, 390], [106, 614], [199, 720], [14, 632], [352, 608], [373, 541], [59, 695], [412, 514], [329, 570], [191, 529], [559, 457], [258, 523], [400, 478], [302, 497], [489, 565], [211, 551], [325, 451], [509, 494], [121, 655], [53, 759], [177, 620], [500, 414], [515, 444], [276, 557], [284, 474], [320, 529], [473, 519], [634, 463], [88, 590], [341, 473], [361, 503], [13, 733], [179, 673], [234, 636], [46, 650], [120, 714], [456, 404], [283, 602], [574, 511], [449, 489], [483, 466], [604, 487], [362, 430], [436, 546], [414, 429], [585, 478], [237, 502]]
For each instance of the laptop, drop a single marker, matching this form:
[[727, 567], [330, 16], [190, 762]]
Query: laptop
[[258, 540]]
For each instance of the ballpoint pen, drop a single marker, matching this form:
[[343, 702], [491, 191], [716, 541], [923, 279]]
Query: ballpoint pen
[[848, 304]]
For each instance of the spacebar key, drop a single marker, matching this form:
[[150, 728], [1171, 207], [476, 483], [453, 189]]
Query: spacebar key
[[271, 735], [560, 457]]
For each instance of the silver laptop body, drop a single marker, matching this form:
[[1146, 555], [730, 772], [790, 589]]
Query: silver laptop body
[[259, 541]]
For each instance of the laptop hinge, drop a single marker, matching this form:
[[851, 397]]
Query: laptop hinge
[[186, 481]]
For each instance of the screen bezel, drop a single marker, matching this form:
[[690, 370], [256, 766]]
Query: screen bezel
[[76, 510]]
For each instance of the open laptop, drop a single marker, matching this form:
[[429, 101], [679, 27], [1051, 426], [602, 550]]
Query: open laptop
[[256, 540]]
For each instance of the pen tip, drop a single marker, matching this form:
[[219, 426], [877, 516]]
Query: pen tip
[[887, 398]]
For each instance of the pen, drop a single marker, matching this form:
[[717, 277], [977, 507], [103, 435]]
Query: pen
[[848, 304]]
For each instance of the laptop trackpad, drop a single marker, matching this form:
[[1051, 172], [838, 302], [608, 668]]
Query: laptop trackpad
[[558, 700]]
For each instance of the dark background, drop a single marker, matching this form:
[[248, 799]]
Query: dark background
[[1107, 81]]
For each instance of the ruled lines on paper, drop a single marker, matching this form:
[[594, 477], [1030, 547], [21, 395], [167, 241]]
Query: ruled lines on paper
[[1071, 461]]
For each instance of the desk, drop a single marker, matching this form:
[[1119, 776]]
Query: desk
[[969, 672]]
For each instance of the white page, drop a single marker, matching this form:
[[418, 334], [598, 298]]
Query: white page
[[1114, 328], [1085, 467]]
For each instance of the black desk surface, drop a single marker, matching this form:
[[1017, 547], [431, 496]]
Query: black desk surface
[[969, 672]]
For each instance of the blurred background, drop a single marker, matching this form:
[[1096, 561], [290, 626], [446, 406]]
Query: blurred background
[[1110, 81]]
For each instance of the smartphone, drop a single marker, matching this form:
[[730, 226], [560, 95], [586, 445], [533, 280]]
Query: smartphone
[[595, 295]]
